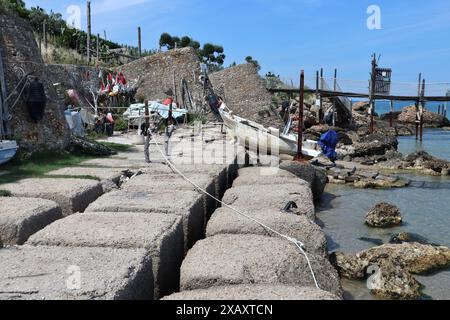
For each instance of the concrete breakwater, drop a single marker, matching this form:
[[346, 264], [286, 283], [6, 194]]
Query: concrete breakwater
[[86, 239]]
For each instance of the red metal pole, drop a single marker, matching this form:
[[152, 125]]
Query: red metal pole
[[299, 156]]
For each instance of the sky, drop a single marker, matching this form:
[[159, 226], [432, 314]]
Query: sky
[[286, 36]]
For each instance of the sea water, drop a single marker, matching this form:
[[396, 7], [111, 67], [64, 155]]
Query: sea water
[[383, 107], [425, 207]]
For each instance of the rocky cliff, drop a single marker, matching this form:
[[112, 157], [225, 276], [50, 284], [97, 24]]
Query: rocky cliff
[[155, 74], [245, 93], [20, 51]]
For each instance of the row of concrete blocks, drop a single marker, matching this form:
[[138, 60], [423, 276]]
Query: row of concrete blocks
[[129, 244], [37, 202], [240, 259]]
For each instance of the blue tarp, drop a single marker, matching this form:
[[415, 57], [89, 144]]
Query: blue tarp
[[328, 142]]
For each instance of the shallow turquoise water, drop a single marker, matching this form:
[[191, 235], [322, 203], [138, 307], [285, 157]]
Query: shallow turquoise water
[[435, 142], [425, 208]]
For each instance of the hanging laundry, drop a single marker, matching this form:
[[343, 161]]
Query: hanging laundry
[[121, 79]]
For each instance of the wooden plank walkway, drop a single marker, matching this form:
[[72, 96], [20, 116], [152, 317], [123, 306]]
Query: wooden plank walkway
[[333, 94]]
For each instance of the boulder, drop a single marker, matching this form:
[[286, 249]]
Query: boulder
[[415, 258], [314, 176], [409, 237], [375, 144], [404, 131], [381, 183], [384, 215], [254, 292], [252, 259], [426, 163], [431, 119], [361, 106], [348, 266], [390, 281]]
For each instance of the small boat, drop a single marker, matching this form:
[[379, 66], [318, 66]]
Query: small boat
[[8, 150], [253, 135]]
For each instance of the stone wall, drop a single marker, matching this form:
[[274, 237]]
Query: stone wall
[[19, 49], [245, 93], [155, 74]]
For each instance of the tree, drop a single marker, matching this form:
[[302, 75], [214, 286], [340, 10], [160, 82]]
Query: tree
[[213, 55], [249, 59], [166, 40]]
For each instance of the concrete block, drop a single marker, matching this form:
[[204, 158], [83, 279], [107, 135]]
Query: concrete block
[[160, 234], [250, 259], [254, 292], [218, 172], [57, 273], [173, 183], [273, 197], [22, 217], [187, 204], [226, 221], [115, 163], [109, 177], [263, 176], [73, 195]]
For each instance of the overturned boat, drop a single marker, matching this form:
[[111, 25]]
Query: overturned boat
[[256, 137], [8, 150]]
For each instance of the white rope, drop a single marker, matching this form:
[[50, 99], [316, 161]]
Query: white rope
[[297, 243]]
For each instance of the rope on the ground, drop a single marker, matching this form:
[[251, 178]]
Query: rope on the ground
[[296, 242]]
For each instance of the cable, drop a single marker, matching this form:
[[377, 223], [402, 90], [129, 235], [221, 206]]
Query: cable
[[296, 242]]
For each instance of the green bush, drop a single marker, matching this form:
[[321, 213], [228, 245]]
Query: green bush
[[121, 124]]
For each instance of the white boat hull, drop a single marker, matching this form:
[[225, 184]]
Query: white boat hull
[[253, 136], [8, 150]]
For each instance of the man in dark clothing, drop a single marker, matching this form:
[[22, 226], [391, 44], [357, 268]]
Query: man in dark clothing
[[213, 102], [36, 100]]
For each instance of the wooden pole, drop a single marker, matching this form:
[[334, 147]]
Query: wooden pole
[[147, 134], [391, 114], [88, 14], [422, 109], [320, 97], [175, 87], [417, 107], [98, 47], [299, 156], [334, 100], [372, 93], [44, 30], [140, 41]]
